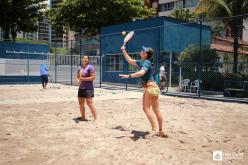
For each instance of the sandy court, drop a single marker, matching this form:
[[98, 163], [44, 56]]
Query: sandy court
[[39, 127]]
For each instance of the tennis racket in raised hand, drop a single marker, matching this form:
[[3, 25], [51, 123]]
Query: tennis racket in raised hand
[[128, 37]]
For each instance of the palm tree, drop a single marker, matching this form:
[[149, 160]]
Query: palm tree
[[226, 8], [183, 14]]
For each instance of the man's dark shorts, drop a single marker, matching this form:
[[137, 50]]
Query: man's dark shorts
[[44, 79], [86, 93], [162, 78]]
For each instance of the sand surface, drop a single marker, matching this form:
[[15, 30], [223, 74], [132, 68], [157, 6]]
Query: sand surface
[[39, 127]]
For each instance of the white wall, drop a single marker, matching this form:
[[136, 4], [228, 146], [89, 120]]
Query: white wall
[[165, 13], [19, 67], [2, 66], [166, 1], [245, 30]]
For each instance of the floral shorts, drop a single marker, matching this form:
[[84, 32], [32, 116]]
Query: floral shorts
[[152, 88]]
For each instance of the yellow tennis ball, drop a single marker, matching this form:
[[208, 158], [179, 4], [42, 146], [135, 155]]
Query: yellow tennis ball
[[123, 33]]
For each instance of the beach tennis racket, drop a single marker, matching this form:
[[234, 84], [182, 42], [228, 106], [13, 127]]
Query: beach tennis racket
[[128, 37]]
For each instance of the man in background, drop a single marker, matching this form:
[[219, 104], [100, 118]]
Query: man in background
[[162, 75], [44, 75]]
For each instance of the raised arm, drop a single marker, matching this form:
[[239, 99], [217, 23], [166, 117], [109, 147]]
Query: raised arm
[[127, 57]]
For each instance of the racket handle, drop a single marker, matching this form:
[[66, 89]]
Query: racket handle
[[124, 44]]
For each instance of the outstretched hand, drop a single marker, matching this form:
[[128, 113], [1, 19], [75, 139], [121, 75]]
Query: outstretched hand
[[123, 48], [123, 75]]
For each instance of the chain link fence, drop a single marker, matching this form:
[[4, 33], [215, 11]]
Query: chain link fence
[[207, 58]]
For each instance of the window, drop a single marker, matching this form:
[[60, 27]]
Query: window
[[154, 5], [91, 52], [184, 3], [95, 60], [114, 62], [191, 3], [166, 6]]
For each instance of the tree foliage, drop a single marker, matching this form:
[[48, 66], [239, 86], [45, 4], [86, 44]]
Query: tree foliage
[[91, 15], [222, 8], [193, 56], [227, 8], [19, 15], [183, 14]]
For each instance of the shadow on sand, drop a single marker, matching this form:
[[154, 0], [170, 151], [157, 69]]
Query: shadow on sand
[[79, 119], [138, 134]]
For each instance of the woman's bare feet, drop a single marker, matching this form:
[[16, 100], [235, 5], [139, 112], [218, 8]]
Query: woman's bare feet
[[83, 119], [161, 134], [152, 132]]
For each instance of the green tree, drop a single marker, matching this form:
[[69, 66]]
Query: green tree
[[19, 15], [91, 15], [226, 8], [183, 14], [192, 55]]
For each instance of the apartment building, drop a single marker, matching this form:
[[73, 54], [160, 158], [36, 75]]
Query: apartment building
[[44, 30], [165, 7], [245, 30]]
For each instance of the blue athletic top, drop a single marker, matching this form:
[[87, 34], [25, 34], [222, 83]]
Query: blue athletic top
[[43, 69], [147, 66]]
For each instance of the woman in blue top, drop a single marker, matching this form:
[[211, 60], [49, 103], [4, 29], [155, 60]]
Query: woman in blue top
[[151, 89]]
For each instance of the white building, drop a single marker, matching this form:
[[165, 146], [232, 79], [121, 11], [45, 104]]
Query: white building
[[165, 7], [44, 30], [245, 30]]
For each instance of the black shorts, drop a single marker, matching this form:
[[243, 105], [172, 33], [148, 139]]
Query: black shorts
[[85, 93], [162, 78], [44, 78]]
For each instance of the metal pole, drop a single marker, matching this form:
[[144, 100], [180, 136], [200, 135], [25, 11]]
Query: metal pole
[[28, 63], [55, 62], [80, 49], [157, 79], [170, 69], [180, 78], [235, 45], [101, 57], [71, 62], [126, 66], [199, 63]]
